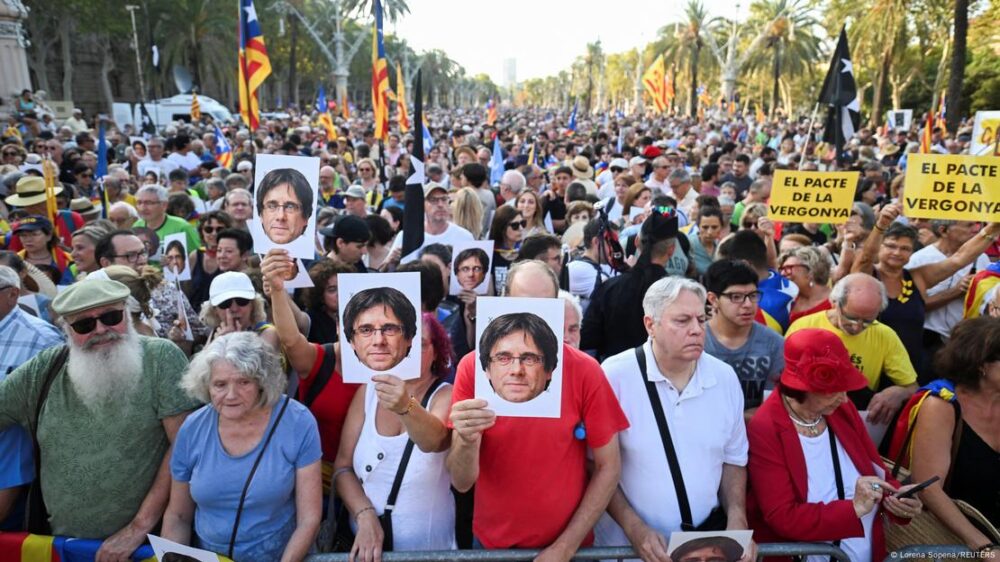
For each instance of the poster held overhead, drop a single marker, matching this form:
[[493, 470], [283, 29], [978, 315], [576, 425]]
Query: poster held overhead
[[285, 192]]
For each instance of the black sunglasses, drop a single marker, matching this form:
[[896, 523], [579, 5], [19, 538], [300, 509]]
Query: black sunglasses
[[238, 301], [516, 225], [108, 319], [211, 229]]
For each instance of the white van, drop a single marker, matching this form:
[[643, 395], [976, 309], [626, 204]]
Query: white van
[[168, 110]]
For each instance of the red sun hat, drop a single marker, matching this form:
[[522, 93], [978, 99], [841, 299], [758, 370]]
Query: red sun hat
[[817, 361]]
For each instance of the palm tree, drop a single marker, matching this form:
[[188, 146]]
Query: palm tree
[[790, 31], [197, 34], [692, 33], [958, 54]]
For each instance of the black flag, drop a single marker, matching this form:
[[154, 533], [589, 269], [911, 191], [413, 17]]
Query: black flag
[[413, 217], [146, 127], [840, 94]]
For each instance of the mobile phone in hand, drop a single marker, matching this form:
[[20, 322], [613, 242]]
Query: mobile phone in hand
[[919, 487]]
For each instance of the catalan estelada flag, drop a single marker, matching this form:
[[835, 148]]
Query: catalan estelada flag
[[25, 547], [402, 116], [982, 285], [345, 108], [491, 112], [654, 80], [223, 152], [571, 127], [327, 122], [195, 108], [380, 78], [254, 65], [925, 139]]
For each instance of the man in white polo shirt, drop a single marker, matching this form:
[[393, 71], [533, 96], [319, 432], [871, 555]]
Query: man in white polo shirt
[[438, 228], [700, 401]]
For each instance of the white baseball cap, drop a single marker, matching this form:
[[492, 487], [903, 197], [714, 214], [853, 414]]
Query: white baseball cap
[[231, 285]]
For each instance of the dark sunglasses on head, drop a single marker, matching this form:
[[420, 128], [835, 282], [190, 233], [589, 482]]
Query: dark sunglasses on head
[[238, 301], [517, 225], [108, 319]]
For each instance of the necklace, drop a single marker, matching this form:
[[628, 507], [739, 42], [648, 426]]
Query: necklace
[[810, 428]]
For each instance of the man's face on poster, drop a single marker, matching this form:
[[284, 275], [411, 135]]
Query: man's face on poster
[[282, 214], [470, 273], [517, 368], [379, 339]]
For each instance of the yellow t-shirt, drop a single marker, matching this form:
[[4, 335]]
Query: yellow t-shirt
[[875, 351]]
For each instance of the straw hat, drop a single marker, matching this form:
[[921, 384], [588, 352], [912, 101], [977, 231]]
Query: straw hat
[[30, 190]]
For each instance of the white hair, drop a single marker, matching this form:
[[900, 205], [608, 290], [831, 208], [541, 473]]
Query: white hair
[[245, 352], [123, 205], [573, 301], [160, 192], [514, 179], [665, 292]]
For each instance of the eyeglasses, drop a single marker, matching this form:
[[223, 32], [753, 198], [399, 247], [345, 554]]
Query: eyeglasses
[[131, 256], [366, 169], [855, 321], [212, 229], [526, 359], [108, 319], [439, 200], [788, 269], [738, 298], [238, 301], [289, 208], [387, 330], [466, 269], [11, 153], [517, 225]]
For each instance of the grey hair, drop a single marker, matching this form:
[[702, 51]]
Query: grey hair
[[245, 353], [160, 192], [665, 292], [938, 224], [843, 288], [9, 277], [515, 179], [573, 301], [679, 175], [814, 259], [123, 205], [523, 265]]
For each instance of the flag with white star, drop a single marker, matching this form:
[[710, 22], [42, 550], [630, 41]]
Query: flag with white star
[[840, 95]]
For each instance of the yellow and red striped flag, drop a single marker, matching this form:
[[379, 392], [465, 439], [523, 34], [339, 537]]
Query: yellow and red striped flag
[[655, 82], [491, 112], [402, 116], [195, 108], [254, 64], [925, 139], [345, 108], [327, 122], [380, 78]]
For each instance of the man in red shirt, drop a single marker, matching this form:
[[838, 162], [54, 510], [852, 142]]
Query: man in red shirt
[[532, 486]]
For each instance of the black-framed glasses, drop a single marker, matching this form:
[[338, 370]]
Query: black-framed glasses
[[439, 200], [109, 319], [238, 301], [750, 225], [738, 298], [289, 208], [387, 330], [526, 359], [132, 257]]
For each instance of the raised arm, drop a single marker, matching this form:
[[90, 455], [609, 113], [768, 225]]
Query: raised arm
[[933, 273], [864, 261], [300, 353]]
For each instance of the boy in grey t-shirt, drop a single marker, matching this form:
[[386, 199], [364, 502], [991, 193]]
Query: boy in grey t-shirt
[[733, 335]]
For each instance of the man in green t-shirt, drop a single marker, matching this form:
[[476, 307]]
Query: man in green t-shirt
[[107, 423], [151, 202]]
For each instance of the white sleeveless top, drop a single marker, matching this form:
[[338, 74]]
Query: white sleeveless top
[[424, 516]]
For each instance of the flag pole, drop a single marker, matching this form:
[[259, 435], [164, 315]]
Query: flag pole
[[809, 131]]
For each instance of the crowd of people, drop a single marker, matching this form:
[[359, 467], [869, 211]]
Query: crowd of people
[[721, 370]]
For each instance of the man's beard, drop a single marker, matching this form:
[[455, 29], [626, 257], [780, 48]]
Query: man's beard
[[106, 375]]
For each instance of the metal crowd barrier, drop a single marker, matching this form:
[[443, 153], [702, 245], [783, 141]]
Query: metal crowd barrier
[[602, 553], [931, 552]]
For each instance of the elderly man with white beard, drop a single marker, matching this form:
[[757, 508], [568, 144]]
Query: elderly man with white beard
[[106, 419]]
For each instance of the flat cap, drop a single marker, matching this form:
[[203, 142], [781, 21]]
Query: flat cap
[[87, 295]]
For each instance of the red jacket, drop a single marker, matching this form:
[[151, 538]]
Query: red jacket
[[777, 505]]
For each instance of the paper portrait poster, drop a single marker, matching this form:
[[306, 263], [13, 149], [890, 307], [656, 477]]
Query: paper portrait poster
[[175, 258], [519, 355], [470, 266], [169, 551], [139, 147], [380, 325], [300, 277], [702, 546], [284, 206]]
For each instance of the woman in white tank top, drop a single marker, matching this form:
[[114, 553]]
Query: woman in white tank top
[[383, 416]]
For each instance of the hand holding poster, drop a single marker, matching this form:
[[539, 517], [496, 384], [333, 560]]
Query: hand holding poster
[[285, 195], [380, 325], [824, 197], [952, 187], [519, 355]]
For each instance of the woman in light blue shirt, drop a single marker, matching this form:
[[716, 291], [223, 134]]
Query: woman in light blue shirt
[[247, 428]]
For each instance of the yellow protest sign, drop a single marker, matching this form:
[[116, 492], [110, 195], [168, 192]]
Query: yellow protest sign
[[824, 197], [952, 187]]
